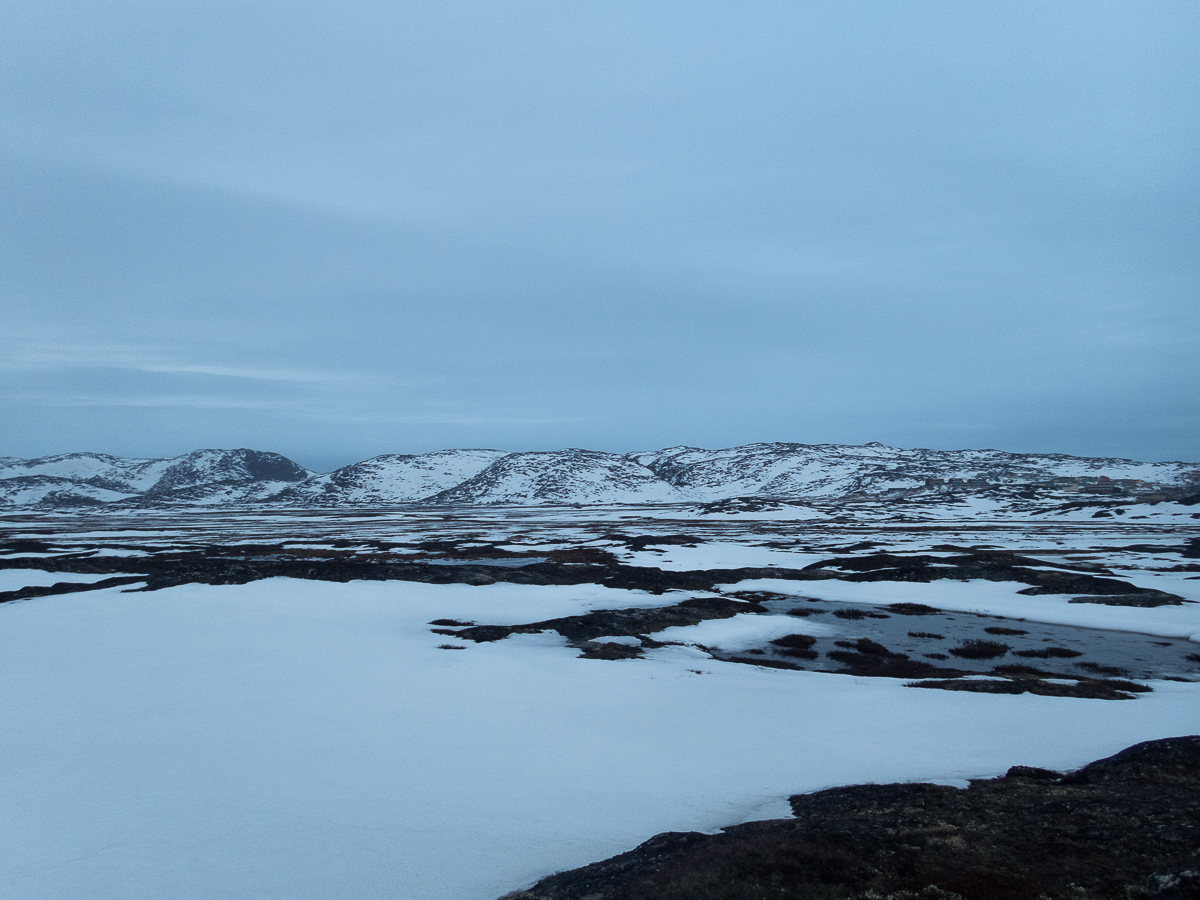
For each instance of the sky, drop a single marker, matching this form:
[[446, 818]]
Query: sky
[[335, 231]]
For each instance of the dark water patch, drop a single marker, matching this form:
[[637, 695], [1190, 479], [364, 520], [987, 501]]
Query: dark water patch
[[1108, 653]]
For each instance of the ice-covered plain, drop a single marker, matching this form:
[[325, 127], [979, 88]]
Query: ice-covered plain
[[236, 732]]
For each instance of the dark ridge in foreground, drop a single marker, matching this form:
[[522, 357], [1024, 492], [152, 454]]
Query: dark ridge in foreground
[[1126, 827]]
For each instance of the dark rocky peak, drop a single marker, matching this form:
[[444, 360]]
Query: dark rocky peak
[[226, 466]]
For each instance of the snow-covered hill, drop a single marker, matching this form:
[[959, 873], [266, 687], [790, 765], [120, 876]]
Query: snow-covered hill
[[391, 478], [563, 476], [811, 473], [202, 477], [815, 471]]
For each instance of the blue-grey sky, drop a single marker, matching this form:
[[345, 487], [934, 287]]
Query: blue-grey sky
[[338, 230]]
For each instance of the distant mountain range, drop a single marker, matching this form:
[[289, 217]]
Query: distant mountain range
[[808, 472]]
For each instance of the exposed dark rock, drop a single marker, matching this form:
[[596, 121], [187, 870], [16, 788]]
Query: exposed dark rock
[[1033, 772], [642, 541], [619, 622], [802, 613], [609, 650], [912, 609], [27, 546], [1087, 688], [988, 565], [977, 648], [760, 661], [1048, 653], [894, 665], [799, 641], [742, 505], [65, 587], [868, 646], [1144, 598], [1123, 828], [240, 565]]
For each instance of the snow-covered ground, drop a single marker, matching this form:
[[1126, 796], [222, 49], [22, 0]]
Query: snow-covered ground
[[299, 739]]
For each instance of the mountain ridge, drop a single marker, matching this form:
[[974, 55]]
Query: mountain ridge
[[782, 471]]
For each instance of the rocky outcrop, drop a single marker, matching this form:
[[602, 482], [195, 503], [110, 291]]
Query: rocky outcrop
[[998, 565], [1127, 827]]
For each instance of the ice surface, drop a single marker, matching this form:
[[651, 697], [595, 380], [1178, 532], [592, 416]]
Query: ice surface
[[999, 598]]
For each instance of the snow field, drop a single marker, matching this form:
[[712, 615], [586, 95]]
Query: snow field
[[297, 739]]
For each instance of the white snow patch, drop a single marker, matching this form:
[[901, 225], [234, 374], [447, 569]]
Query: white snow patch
[[742, 630]]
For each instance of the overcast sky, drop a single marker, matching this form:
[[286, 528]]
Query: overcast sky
[[339, 230]]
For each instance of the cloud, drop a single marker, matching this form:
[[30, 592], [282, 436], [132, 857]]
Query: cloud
[[65, 359]]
